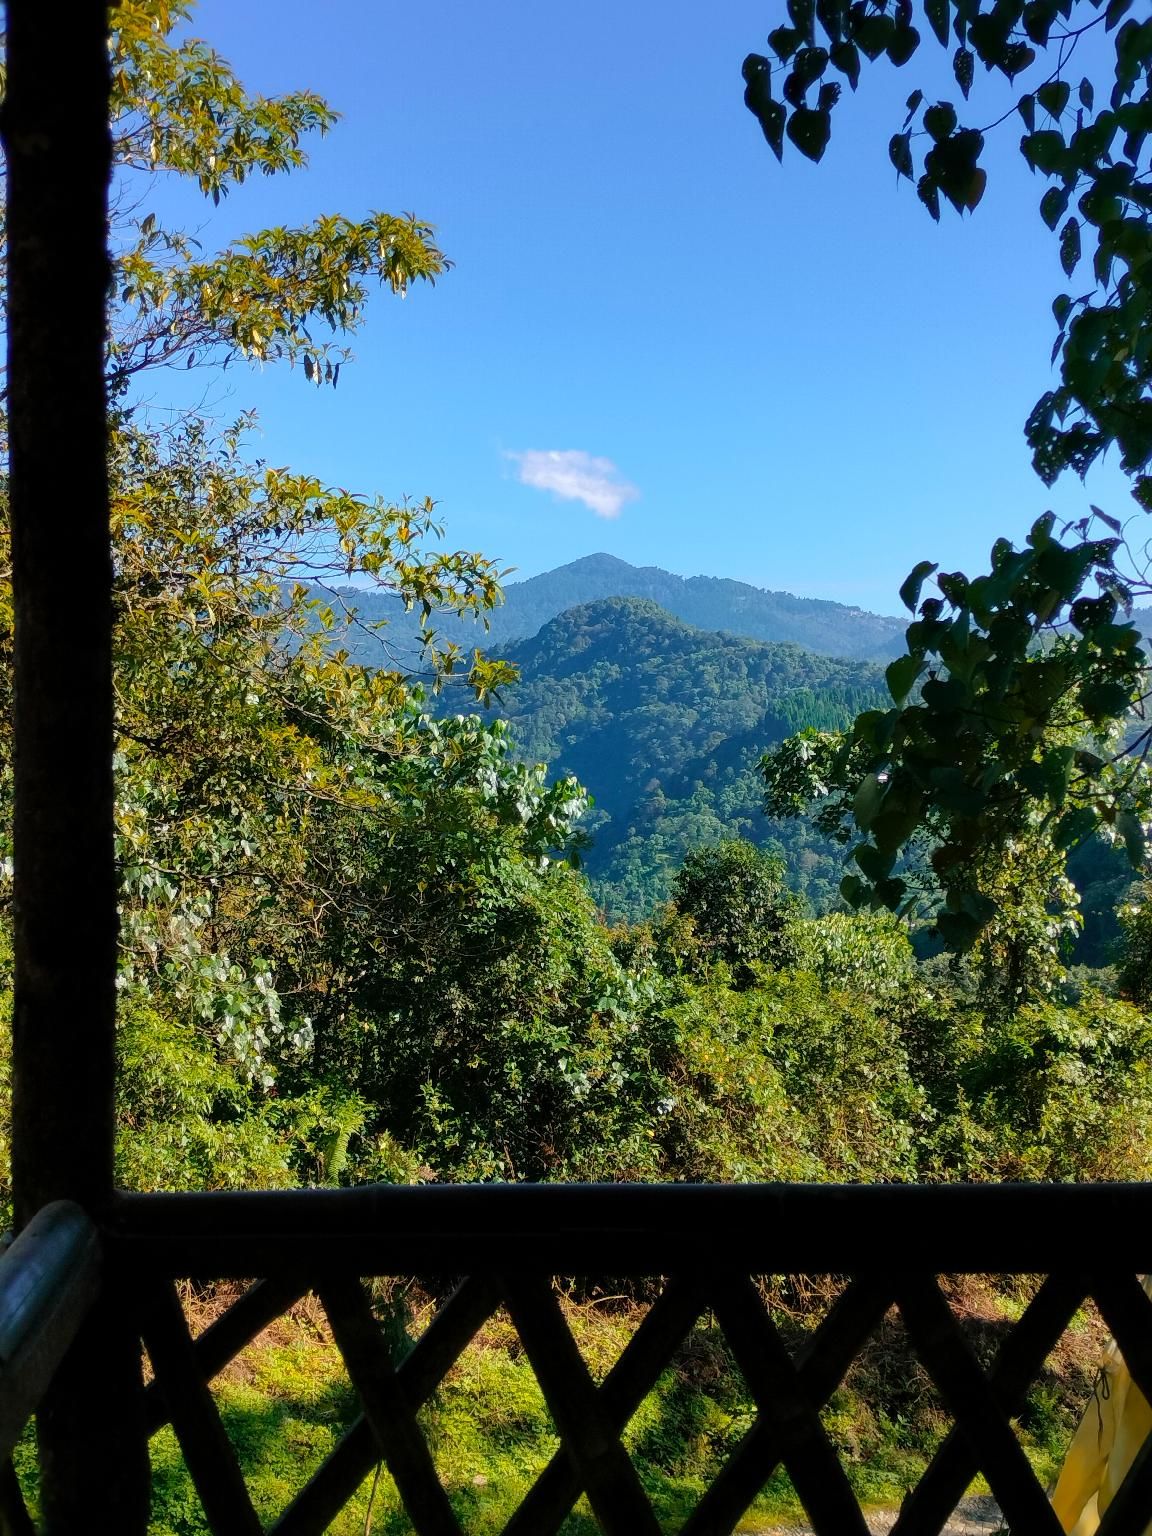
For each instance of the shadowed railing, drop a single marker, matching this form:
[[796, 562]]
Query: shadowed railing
[[49, 1279], [707, 1246]]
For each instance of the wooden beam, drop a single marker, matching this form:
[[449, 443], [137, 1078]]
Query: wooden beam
[[57, 144], [58, 149], [629, 1229], [49, 1279]]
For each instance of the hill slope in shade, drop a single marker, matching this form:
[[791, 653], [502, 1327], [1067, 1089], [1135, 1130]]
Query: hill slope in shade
[[664, 723], [708, 602]]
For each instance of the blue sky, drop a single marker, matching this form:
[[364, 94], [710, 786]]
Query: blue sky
[[789, 375]]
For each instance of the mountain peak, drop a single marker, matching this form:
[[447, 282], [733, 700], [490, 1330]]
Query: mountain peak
[[705, 602], [601, 559]]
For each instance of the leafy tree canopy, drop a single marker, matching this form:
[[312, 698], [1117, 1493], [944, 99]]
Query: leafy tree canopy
[[740, 907], [1084, 134], [279, 293], [1011, 700], [1004, 728], [281, 816]]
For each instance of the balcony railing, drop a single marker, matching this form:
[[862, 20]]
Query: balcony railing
[[706, 1246]]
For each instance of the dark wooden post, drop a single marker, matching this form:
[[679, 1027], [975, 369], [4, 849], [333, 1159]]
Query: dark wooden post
[[57, 142]]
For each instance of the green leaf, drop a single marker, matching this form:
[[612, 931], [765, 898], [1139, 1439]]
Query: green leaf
[[952, 164], [940, 120], [929, 194], [936, 14], [962, 67], [901, 676], [1074, 827], [872, 35], [1017, 57], [891, 892], [1055, 770], [945, 695], [1026, 107], [900, 153], [846, 57], [1070, 246], [772, 121], [758, 99], [979, 907], [1053, 97], [795, 89], [1117, 10], [897, 819], [1038, 17], [784, 42], [810, 63], [958, 930], [1131, 829], [1087, 94], [874, 728], [914, 581], [802, 14], [1103, 701], [1044, 151], [809, 129], [852, 890], [875, 864], [1109, 522], [754, 68], [866, 801], [913, 105], [832, 14], [903, 44], [1052, 206]]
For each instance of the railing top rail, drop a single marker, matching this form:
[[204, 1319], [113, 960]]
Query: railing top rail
[[635, 1228], [49, 1278]]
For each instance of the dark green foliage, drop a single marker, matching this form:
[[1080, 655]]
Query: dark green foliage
[[1102, 874], [1000, 747], [740, 907], [188, 1120], [498, 1034], [1134, 977], [664, 724]]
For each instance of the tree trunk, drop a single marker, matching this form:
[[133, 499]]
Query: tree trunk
[[56, 138]]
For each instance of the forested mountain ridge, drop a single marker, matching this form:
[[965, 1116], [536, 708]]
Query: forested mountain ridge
[[664, 724], [708, 602]]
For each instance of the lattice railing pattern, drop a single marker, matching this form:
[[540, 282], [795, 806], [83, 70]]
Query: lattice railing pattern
[[789, 1384], [789, 1391]]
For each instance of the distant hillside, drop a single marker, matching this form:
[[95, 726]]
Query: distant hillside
[[664, 723], [708, 602]]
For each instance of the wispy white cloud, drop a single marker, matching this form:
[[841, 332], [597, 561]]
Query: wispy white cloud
[[573, 475]]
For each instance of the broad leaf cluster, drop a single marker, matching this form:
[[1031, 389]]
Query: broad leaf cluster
[[1085, 134], [1003, 737]]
